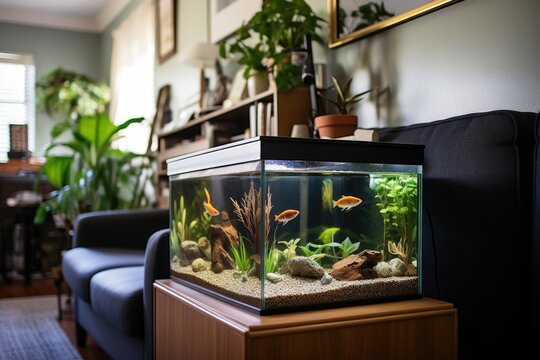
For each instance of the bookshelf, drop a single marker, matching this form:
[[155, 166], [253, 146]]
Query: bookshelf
[[269, 113]]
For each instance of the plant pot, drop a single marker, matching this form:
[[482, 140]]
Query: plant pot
[[336, 125], [257, 83]]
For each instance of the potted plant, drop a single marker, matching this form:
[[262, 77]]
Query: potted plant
[[278, 31], [343, 123], [90, 174]]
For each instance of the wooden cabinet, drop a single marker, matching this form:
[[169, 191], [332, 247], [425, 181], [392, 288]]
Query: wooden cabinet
[[191, 325], [276, 111]]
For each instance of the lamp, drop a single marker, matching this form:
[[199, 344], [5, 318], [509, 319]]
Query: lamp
[[201, 55]]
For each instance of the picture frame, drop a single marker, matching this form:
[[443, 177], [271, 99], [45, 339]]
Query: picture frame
[[226, 16], [166, 29], [406, 11]]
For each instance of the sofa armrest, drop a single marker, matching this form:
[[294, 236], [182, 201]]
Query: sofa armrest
[[128, 229], [156, 266]]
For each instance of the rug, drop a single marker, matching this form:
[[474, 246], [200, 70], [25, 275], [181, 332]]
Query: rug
[[29, 330]]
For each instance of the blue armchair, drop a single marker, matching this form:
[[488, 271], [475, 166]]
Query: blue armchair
[[116, 257]]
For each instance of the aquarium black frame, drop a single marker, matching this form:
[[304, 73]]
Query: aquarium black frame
[[296, 149]]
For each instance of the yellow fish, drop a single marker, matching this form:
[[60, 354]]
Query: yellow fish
[[212, 211], [287, 216], [346, 203]]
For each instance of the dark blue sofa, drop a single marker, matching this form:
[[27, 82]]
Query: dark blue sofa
[[481, 242], [116, 257], [481, 205]]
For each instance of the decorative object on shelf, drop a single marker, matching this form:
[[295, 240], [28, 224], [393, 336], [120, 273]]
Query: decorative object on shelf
[[349, 22], [201, 55], [238, 89], [274, 38], [18, 142], [300, 131], [343, 123], [165, 29], [162, 116]]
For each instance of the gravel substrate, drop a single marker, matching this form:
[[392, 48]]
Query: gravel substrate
[[296, 291]]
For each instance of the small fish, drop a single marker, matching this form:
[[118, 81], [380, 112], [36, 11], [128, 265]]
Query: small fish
[[346, 203], [287, 216], [212, 211]]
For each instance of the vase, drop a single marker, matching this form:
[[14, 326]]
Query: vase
[[257, 83], [336, 125]]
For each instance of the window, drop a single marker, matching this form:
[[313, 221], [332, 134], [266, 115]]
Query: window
[[132, 75], [17, 81]]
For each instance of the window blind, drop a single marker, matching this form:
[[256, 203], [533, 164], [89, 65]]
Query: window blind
[[17, 104]]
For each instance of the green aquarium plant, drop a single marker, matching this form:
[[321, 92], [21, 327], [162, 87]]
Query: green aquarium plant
[[397, 202], [239, 254], [290, 248], [272, 258], [327, 235], [181, 228]]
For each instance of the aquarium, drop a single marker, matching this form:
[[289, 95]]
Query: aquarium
[[280, 224]]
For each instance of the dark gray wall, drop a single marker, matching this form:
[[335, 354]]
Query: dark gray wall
[[475, 55], [72, 50]]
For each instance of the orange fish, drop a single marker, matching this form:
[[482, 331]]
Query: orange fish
[[287, 216], [212, 211], [346, 203]]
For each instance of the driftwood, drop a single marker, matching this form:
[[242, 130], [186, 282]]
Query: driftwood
[[222, 237], [356, 267]]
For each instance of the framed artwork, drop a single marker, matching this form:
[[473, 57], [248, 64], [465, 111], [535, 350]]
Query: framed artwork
[[165, 29], [228, 15], [351, 20]]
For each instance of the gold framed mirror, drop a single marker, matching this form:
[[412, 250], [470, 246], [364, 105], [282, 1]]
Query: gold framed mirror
[[351, 20]]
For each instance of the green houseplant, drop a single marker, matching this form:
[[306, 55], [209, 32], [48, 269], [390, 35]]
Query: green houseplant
[[82, 162], [274, 33], [91, 174], [343, 123]]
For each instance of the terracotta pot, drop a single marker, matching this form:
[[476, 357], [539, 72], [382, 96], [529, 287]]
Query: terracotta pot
[[257, 83], [336, 125]]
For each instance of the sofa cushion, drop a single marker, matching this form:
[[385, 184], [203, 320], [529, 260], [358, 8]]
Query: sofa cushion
[[117, 297], [477, 209], [80, 264]]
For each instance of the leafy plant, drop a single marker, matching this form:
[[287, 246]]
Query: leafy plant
[[370, 14], [91, 174], [290, 250], [271, 34], [272, 257], [241, 258], [344, 101], [315, 254], [73, 94], [397, 202], [345, 249], [327, 235], [181, 227]]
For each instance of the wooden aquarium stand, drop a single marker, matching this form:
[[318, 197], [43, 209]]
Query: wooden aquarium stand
[[192, 325]]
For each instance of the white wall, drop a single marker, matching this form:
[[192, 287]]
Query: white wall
[[184, 80], [475, 55]]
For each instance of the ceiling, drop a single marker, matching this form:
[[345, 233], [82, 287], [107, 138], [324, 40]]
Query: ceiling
[[83, 15]]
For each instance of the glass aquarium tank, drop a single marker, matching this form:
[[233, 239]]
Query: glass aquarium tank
[[280, 224]]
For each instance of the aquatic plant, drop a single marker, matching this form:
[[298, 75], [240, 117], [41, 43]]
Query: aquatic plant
[[180, 229], [327, 235], [344, 249], [240, 256], [290, 250], [327, 193], [398, 196], [315, 254], [272, 257], [347, 247], [248, 212]]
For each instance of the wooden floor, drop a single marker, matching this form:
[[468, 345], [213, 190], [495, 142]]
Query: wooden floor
[[45, 286]]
